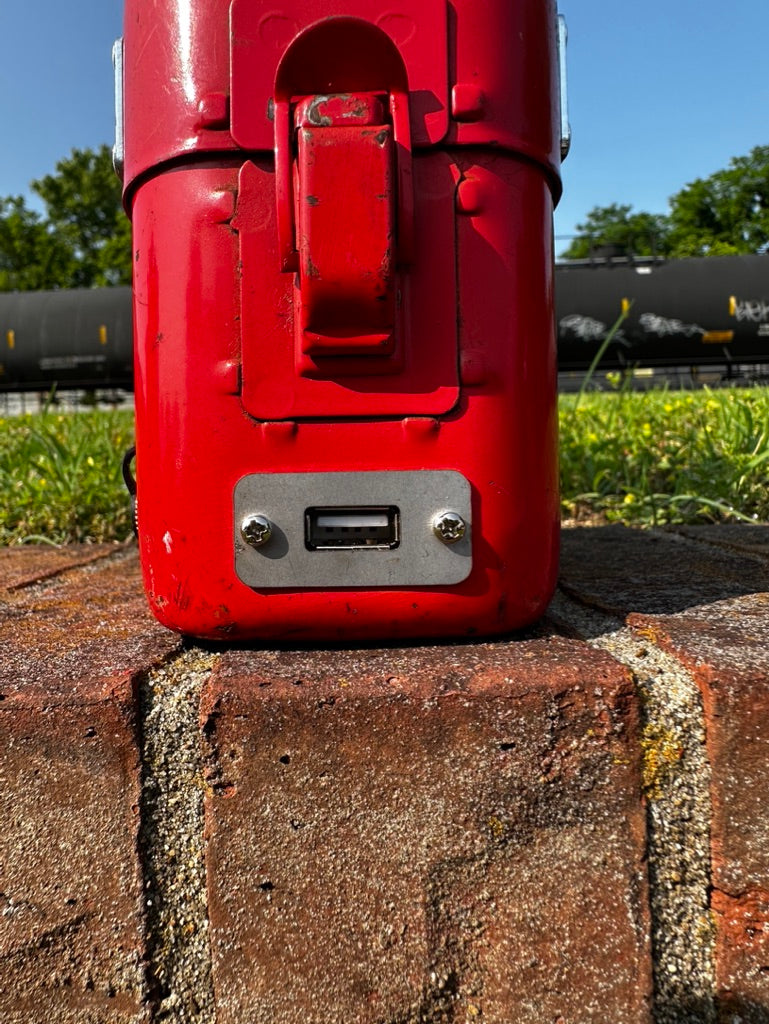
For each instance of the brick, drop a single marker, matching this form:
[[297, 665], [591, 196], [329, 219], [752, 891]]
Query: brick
[[737, 536], [724, 645], [451, 833], [25, 565], [742, 956], [71, 933], [72, 945], [622, 570], [88, 625]]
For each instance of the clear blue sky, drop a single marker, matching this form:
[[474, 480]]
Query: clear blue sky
[[661, 92]]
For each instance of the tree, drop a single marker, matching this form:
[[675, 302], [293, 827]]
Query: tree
[[726, 213], [83, 206], [31, 257], [721, 215], [638, 234], [82, 240]]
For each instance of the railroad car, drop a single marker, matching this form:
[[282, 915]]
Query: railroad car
[[692, 313], [72, 339]]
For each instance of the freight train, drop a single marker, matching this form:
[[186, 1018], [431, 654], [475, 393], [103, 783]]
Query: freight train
[[685, 313], [688, 313], [70, 339]]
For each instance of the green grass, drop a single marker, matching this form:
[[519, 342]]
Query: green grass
[[60, 477], [640, 458], [660, 457]]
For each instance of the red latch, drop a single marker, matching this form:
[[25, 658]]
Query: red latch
[[345, 207], [345, 215]]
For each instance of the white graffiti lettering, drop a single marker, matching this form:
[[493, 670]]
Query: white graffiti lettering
[[752, 311], [583, 327], [664, 326]]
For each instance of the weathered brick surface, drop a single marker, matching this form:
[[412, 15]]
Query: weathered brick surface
[[71, 915], [443, 834], [25, 565], [621, 570], [738, 536], [88, 627], [742, 954], [71, 942], [447, 834], [712, 614], [725, 646]]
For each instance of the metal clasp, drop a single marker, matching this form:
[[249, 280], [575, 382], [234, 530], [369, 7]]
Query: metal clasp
[[563, 35]]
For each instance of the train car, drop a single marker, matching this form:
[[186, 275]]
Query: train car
[[73, 339], [692, 312], [685, 313]]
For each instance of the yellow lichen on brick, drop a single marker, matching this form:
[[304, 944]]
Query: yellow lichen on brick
[[662, 751], [648, 633], [497, 828]]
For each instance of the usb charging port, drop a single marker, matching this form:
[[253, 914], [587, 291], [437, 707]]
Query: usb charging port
[[352, 527]]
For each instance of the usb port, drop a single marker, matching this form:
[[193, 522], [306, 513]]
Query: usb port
[[331, 528]]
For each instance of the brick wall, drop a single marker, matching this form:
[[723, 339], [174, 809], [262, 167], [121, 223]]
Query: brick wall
[[564, 827]]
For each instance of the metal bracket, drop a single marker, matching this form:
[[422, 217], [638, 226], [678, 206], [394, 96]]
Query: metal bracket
[[563, 36], [118, 150], [420, 557]]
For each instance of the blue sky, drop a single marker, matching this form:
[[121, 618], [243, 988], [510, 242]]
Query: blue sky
[[56, 90], [661, 92]]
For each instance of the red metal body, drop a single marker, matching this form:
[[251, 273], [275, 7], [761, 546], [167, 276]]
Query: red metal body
[[343, 270]]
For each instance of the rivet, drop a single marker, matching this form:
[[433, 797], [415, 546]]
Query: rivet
[[467, 102], [469, 197], [214, 110]]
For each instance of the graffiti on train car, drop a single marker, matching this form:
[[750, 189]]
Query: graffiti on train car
[[583, 327], [693, 312], [688, 312], [752, 311], [665, 327]]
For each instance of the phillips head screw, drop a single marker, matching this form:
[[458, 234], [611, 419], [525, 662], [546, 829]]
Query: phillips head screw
[[256, 530], [449, 527]]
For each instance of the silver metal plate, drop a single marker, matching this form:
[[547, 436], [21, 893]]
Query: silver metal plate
[[420, 559]]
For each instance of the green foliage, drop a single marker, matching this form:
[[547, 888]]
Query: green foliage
[[722, 215], [642, 458], [84, 239], [726, 213], [31, 256], [666, 457], [60, 477], [642, 234]]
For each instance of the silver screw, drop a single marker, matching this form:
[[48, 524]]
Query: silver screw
[[256, 530], [449, 527]]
